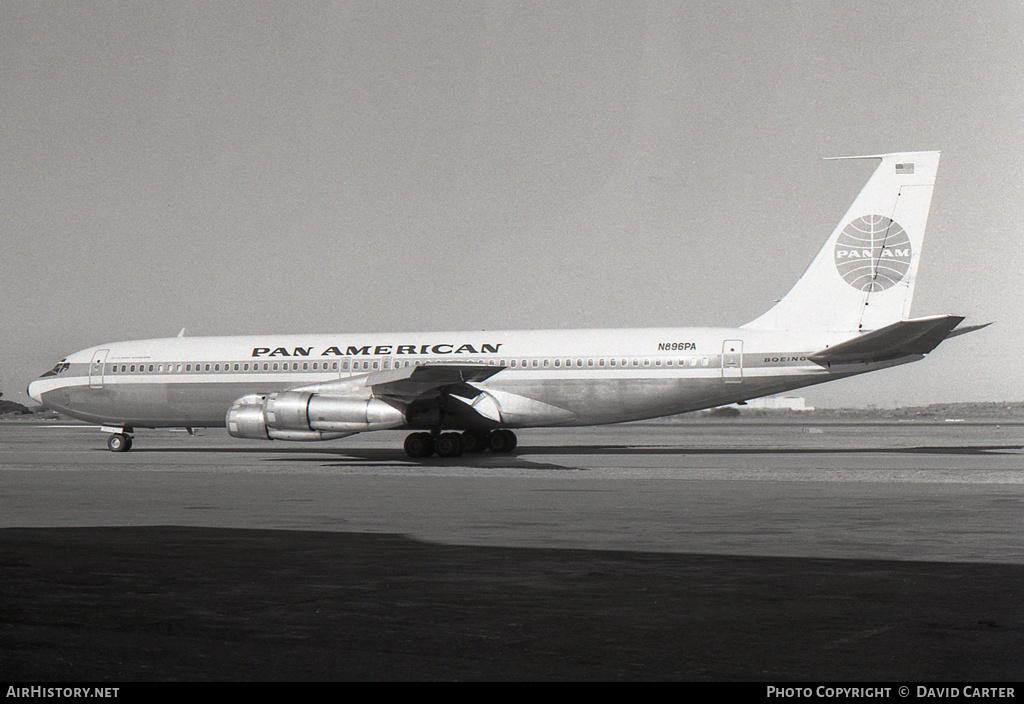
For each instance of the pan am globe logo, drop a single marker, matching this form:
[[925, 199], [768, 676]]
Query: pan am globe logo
[[873, 253]]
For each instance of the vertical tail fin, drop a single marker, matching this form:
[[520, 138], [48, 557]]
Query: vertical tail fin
[[863, 278]]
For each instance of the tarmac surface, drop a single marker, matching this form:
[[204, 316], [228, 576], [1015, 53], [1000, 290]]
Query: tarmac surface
[[706, 551]]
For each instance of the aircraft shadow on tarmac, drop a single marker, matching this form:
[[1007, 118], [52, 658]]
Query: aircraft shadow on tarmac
[[520, 458]]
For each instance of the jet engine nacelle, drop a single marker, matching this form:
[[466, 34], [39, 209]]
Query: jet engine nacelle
[[302, 415]]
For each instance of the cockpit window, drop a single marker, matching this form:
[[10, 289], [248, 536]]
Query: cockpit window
[[58, 368]]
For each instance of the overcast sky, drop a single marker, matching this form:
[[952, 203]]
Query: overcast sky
[[387, 166]]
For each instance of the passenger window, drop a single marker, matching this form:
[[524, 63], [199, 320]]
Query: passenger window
[[274, 366], [558, 362], [590, 363], [132, 367]]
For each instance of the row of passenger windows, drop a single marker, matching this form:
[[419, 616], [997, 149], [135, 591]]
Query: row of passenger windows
[[387, 363], [225, 367], [603, 363]]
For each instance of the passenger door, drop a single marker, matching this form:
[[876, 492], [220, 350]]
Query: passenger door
[[99, 360]]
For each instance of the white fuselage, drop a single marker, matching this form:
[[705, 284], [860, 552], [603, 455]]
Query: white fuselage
[[588, 377]]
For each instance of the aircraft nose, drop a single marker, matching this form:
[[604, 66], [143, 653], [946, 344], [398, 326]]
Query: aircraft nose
[[36, 395]]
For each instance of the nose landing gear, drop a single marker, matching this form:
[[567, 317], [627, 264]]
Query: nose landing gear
[[119, 442]]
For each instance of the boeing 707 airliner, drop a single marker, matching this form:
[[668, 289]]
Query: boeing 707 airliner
[[466, 391]]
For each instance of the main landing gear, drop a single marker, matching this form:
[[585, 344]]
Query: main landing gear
[[419, 445]]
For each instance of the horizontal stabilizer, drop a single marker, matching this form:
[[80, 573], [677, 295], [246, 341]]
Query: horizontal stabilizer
[[917, 336]]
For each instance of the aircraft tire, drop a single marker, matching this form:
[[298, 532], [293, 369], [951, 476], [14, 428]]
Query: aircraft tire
[[419, 445], [448, 445], [501, 440], [474, 442], [119, 442]]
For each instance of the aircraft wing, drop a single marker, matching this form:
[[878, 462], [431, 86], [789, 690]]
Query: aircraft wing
[[411, 383], [402, 386], [431, 391], [917, 336]]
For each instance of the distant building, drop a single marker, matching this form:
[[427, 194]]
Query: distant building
[[777, 403]]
